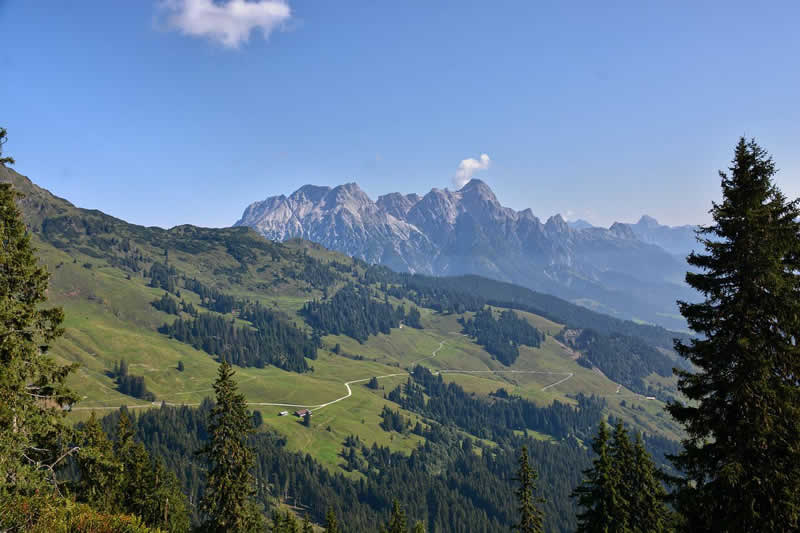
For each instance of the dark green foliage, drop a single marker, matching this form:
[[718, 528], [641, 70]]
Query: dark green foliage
[[393, 421], [226, 503], [331, 524], [502, 337], [284, 523], [444, 483], [188, 308], [373, 383], [603, 508], [495, 420], [99, 468], [3, 138], [413, 318], [458, 294], [146, 487], [180, 366], [274, 340], [32, 385], [130, 384], [741, 458], [167, 304], [623, 359], [648, 512], [307, 419], [316, 273], [163, 276], [397, 521], [621, 492], [530, 515], [211, 298], [353, 312], [121, 477]]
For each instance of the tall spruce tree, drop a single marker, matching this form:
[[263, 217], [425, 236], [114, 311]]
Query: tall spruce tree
[[599, 495], [741, 458], [530, 515], [100, 470], [147, 488], [647, 511], [624, 464], [226, 503], [397, 520], [32, 385], [331, 524]]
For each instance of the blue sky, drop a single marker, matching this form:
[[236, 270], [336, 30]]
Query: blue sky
[[182, 111]]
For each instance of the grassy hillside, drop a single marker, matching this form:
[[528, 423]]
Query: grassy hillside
[[102, 276]]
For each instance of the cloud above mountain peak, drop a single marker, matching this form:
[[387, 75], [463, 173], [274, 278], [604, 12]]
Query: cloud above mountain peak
[[230, 23], [468, 167]]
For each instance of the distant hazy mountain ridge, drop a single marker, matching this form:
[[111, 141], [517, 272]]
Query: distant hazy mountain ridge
[[468, 231]]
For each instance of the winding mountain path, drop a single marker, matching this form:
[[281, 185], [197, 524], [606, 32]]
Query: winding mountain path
[[351, 382]]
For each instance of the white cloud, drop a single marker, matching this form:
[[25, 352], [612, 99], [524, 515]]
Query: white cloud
[[468, 167], [230, 22]]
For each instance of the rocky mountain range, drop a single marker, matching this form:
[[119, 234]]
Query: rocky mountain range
[[620, 270], [677, 240]]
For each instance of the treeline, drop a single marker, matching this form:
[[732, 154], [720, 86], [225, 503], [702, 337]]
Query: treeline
[[211, 298], [113, 473], [352, 311], [623, 359], [497, 419], [443, 483], [319, 274], [421, 291], [502, 337], [163, 276], [169, 305], [272, 339], [622, 489], [458, 294], [129, 384]]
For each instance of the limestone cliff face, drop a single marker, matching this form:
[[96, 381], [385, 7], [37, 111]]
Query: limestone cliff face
[[468, 231]]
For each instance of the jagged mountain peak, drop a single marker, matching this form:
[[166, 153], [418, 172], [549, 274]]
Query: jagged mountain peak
[[648, 222], [556, 224], [622, 231], [350, 196], [398, 205], [313, 193], [478, 191]]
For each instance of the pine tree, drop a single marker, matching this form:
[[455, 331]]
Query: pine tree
[[307, 527], [147, 488], [226, 504], [100, 470], [604, 509], [4, 160], [331, 525], [32, 389], [741, 458], [530, 514], [648, 512], [624, 464], [397, 520]]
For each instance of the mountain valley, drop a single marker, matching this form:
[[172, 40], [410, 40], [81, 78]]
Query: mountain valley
[[171, 303]]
